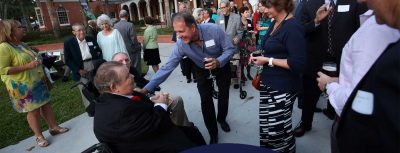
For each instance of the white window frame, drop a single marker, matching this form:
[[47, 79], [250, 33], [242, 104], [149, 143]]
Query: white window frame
[[41, 16], [58, 17]]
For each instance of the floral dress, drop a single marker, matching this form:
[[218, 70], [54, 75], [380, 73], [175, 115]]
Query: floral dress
[[26, 89]]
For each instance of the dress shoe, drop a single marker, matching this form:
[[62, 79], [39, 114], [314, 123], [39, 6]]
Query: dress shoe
[[317, 110], [195, 80], [213, 140], [328, 114], [236, 86], [300, 130], [189, 80], [225, 126]]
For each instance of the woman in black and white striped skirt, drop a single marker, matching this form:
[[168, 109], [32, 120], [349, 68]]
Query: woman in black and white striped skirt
[[283, 61]]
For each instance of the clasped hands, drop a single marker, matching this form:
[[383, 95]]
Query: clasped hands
[[163, 97]]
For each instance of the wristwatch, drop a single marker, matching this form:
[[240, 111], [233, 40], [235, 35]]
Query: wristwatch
[[270, 62]]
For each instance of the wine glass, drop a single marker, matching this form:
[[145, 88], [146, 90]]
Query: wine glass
[[205, 61]]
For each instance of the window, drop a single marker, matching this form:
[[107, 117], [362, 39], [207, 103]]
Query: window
[[62, 16], [39, 16]]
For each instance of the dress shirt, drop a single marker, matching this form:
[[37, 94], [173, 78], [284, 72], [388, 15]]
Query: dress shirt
[[206, 20], [359, 54], [215, 44], [83, 45]]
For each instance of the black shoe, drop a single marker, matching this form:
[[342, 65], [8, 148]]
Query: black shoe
[[189, 80], [195, 80], [236, 86], [249, 77], [213, 140], [225, 126], [157, 88], [328, 114], [300, 130], [317, 110]]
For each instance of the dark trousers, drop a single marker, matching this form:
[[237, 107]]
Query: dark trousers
[[204, 85], [188, 68], [311, 93]]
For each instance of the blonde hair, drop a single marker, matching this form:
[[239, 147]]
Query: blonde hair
[[6, 32], [3, 34]]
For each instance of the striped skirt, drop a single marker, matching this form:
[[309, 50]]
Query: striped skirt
[[276, 120]]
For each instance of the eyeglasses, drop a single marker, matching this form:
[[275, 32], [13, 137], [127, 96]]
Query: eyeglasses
[[222, 7]]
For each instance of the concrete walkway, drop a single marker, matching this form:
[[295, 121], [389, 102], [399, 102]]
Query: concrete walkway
[[242, 117]]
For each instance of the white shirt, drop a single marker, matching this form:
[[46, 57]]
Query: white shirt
[[85, 51], [358, 55], [206, 21]]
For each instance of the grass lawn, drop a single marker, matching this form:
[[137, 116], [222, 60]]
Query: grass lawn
[[66, 104]]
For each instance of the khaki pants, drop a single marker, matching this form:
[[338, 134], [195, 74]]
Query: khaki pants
[[178, 113], [87, 66]]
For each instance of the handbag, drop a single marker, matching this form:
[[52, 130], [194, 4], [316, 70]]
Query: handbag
[[256, 81]]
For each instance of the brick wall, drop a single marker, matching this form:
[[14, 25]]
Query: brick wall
[[74, 11]]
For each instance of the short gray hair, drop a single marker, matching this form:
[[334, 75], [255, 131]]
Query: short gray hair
[[123, 13], [226, 2], [108, 74], [104, 19], [123, 53], [76, 25], [196, 13]]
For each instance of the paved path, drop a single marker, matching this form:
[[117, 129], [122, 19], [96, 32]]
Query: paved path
[[242, 116]]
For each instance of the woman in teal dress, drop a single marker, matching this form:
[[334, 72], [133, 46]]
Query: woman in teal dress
[[263, 25], [22, 74]]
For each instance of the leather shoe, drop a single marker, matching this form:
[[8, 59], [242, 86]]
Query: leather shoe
[[317, 110], [225, 126], [236, 86], [189, 80], [213, 140], [300, 130]]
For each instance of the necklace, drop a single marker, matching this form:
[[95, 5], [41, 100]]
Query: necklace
[[279, 25]]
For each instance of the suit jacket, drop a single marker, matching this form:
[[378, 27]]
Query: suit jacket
[[129, 126], [380, 131], [344, 24], [234, 27], [128, 33], [73, 55], [211, 21]]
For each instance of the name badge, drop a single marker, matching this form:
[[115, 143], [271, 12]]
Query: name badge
[[343, 8], [363, 103], [221, 22], [89, 43], [210, 43]]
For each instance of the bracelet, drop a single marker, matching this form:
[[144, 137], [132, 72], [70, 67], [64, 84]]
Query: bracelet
[[270, 62]]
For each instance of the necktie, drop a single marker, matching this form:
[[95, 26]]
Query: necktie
[[330, 17]]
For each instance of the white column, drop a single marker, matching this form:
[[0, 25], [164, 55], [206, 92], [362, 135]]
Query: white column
[[161, 11], [148, 9], [219, 1], [176, 6], [130, 11], [194, 3]]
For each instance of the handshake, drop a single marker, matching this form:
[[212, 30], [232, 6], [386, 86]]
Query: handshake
[[162, 97]]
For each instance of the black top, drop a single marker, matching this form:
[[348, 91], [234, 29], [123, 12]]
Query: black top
[[286, 43], [226, 20]]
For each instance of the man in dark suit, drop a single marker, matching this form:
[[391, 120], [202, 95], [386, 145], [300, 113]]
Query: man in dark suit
[[132, 45], [132, 122], [327, 31], [370, 118], [79, 52], [207, 12]]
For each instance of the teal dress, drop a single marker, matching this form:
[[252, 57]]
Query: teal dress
[[262, 33]]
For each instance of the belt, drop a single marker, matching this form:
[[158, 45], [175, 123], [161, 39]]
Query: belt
[[87, 60]]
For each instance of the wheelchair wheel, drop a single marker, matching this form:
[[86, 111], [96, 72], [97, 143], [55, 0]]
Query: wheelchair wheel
[[215, 94], [243, 94]]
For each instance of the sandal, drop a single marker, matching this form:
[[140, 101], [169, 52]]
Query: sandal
[[41, 142], [58, 130]]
